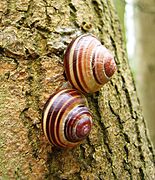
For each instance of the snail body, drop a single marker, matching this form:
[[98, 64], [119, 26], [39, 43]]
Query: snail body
[[66, 118], [88, 64]]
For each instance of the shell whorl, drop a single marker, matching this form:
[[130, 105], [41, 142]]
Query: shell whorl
[[88, 64], [66, 119]]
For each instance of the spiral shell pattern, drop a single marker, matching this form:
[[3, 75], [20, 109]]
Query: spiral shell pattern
[[88, 64], [66, 119]]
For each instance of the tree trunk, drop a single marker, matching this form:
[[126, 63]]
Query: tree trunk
[[120, 7], [34, 35], [144, 55]]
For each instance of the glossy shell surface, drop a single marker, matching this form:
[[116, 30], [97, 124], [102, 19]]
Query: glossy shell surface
[[88, 64], [66, 118]]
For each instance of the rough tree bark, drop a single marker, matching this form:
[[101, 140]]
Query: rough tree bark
[[144, 55], [34, 35]]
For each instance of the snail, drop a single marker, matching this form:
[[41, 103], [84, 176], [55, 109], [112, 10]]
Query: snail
[[88, 64], [66, 119]]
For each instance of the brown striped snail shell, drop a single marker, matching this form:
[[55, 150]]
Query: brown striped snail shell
[[66, 118], [88, 64]]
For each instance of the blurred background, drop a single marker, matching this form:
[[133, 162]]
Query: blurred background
[[137, 19]]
